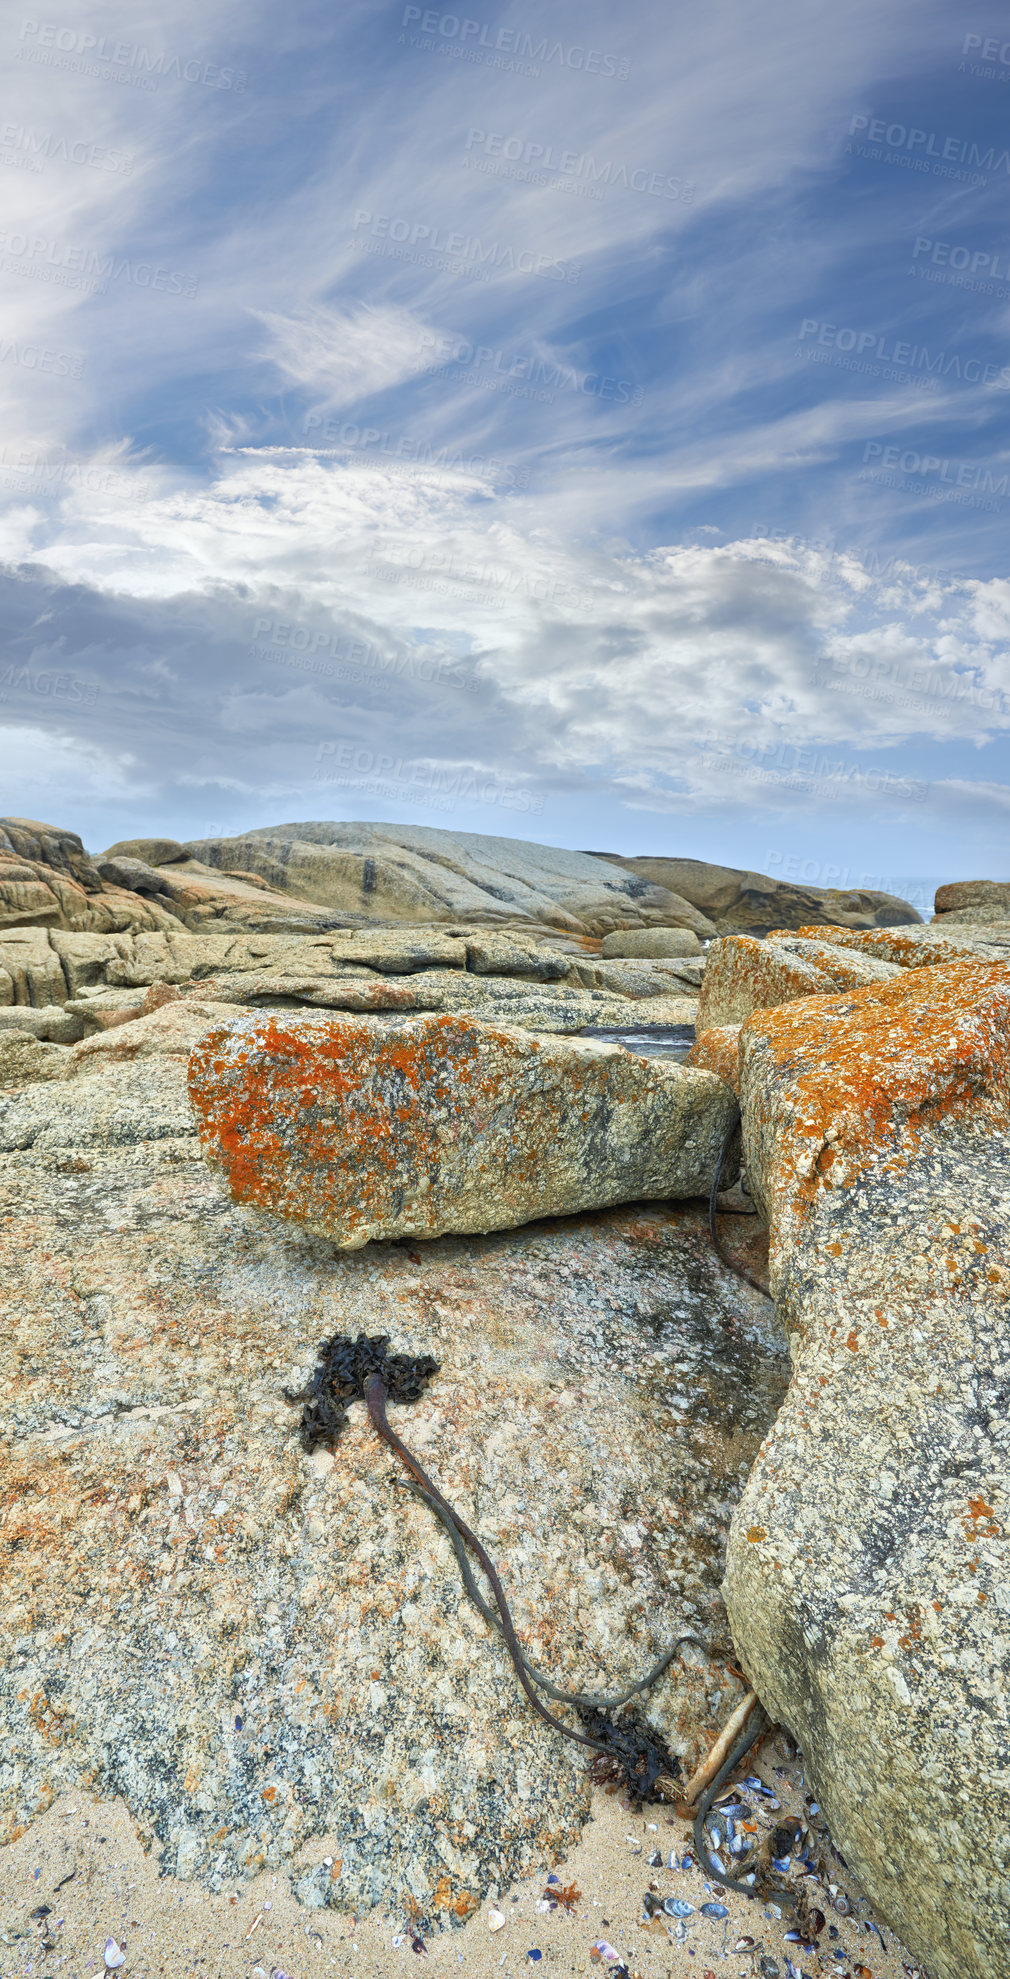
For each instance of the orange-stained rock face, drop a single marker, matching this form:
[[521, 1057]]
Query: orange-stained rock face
[[715, 1051], [836, 1085], [743, 974], [361, 1129], [869, 1611], [909, 948]]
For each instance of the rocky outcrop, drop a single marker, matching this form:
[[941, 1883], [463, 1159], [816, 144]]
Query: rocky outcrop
[[100, 981], [268, 1656], [743, 975], [199, 897], [972, 901], [922, 948], [736, 901], [867, 1578], [429, 1125], [418, 873]]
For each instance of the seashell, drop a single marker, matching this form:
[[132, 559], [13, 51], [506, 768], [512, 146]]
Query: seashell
[[678, 1907], [714, 1910], [114, 1957], [841, 1904], [655, 1859], [495, 1920]]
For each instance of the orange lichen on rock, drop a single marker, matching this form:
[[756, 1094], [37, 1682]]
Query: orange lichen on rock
[[743, 974], [431, 1124], [715, 1050], [918, 949], [835, 1084]]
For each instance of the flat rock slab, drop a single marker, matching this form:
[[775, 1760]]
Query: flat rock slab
[[868, 1578], [433, 1124], [269, 1656]]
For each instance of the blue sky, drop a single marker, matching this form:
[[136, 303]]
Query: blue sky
[[585, 425]]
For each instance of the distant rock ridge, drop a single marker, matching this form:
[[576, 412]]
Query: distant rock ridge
[[419, 872]]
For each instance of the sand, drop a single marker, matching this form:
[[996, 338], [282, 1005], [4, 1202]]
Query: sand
[[174, 1930]]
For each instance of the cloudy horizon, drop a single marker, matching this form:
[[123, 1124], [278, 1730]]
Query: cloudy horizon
[[596, 437]]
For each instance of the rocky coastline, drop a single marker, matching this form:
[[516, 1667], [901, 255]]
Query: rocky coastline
[[331, 1078]]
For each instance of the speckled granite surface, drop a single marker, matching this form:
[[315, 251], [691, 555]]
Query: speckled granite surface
[[869, 1566], [254, 1647]]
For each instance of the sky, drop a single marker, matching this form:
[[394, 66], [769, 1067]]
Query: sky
[[588, 425]]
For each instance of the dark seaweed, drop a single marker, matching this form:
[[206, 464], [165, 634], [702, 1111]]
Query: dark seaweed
[[634, 1755], [339, 1377]]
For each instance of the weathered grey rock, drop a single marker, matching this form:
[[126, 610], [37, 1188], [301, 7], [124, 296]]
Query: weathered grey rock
[[49, 845], [643, 979], [30, 971], [102, 978], [868, 1575], [418, 873], [650, 943], [53, 1021], [24, 1059], [154, 851], [171, 1030], [743, 975], [515, 955], [429, 1125], [737, 901], [257, 1649]]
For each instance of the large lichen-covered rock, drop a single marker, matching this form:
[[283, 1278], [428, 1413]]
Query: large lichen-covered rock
[[743, 975], [359, 1131], [267, 1655], [419, 873], [868, 1574]]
